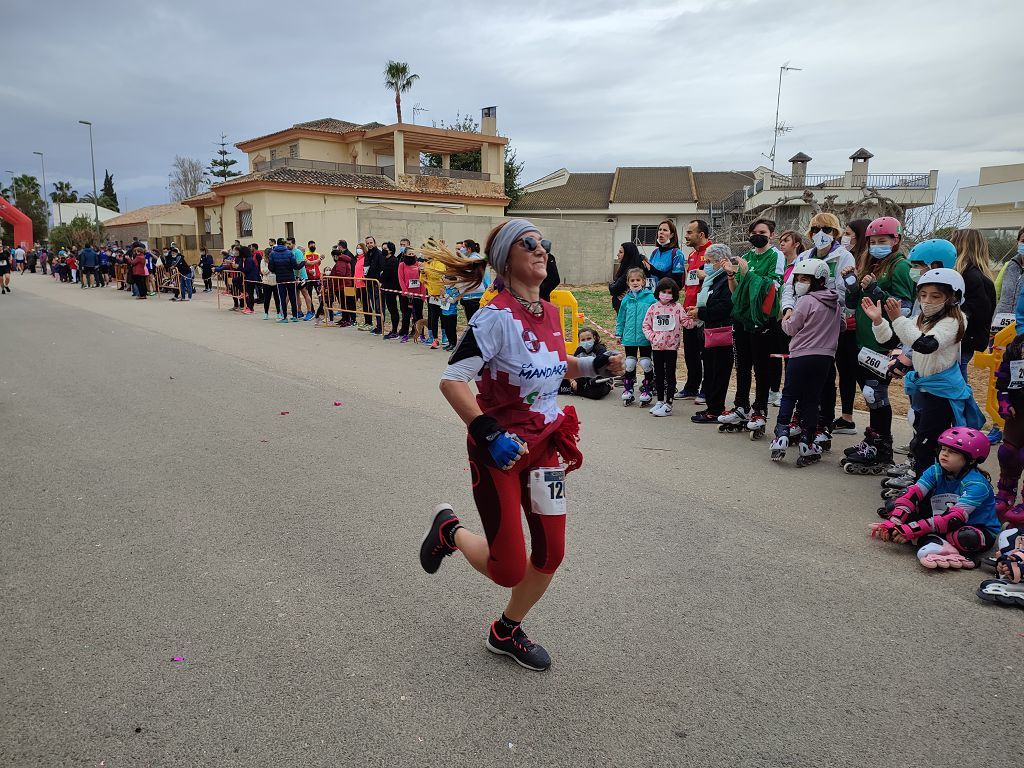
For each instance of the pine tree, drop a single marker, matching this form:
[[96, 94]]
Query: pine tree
[[108, 197], [220, 167]]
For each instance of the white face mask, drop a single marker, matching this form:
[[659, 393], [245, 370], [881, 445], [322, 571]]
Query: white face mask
[[801, 288], [845, 241], [928, 310], [915, 274], [359, 251], [822, 240]]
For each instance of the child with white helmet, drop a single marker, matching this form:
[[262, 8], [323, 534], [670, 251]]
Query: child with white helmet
[[950, 512], [814, 324], [940, 396]]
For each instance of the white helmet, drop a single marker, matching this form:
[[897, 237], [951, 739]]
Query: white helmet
[[812, 267], [947, 277]]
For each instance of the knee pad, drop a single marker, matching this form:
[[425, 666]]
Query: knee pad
[[968, 539], [646, 364], [630, 364], [876, 394]]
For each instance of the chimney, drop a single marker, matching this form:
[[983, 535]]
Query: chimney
[[799, 172], [859, 169], [489, 121]]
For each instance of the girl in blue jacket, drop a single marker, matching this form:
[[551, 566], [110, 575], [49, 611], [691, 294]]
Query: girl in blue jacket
[[629, 330]]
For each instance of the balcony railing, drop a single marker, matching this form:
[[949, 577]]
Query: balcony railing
[[847, 181], [426, 170], [319, 165]]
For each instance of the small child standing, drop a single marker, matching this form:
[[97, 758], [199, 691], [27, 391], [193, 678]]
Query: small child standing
[[814, 327], [1010, 392], [950, 512], [629, 330], [662, 327], [449, 304], [73, 267]]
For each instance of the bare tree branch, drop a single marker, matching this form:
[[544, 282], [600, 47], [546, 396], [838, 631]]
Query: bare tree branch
[[188, 178]]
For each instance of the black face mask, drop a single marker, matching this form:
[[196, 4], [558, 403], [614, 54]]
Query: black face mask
[[410, 260], [758, 241]]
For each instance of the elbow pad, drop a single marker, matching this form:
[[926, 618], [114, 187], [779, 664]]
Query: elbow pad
[[926, 345]]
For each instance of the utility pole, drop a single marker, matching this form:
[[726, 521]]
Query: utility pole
[[95, 192], [46, 200], [779, 129]]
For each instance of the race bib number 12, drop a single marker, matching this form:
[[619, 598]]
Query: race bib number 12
[[547, 490]]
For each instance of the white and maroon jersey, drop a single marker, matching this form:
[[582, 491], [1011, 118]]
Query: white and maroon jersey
[[524, 363]]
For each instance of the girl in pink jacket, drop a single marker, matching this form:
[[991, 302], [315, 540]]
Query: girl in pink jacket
[[663, 327]]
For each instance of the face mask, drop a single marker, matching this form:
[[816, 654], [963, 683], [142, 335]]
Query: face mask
[[928, 310], [634, 291], [401, 250], [410, 260], [758, 241], [1020, 249], [915, 275], [822, 240], [801, 288], [359, 251], [664, 298], [879, 251], [845, 241], [587, 345]]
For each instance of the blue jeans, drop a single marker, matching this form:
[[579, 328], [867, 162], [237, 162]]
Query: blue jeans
[[187, 287], [965, 358]]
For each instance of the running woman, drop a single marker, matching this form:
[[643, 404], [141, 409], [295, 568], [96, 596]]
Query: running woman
[[521, 444]]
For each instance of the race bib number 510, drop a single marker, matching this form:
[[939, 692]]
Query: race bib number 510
[[547, 490]]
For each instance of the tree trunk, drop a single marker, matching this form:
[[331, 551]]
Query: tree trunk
[[398, 105]]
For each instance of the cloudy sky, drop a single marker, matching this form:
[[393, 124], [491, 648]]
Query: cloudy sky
[[586, 85]]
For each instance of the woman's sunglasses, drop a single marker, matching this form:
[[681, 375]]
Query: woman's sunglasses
[[826, 230], [531, 243]]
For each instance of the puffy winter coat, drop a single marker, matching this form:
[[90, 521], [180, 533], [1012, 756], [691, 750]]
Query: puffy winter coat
[[629, 324]]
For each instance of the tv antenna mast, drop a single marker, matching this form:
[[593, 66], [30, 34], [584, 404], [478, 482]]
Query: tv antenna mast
[[416, 108], [780, 128]]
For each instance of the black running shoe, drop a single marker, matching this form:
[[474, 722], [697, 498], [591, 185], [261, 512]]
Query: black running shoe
[[705, 417], [519, 647], [435, 547]]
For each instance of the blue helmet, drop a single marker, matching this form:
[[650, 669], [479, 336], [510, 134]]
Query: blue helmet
[[934, 250]]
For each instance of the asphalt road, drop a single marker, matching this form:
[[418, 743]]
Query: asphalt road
[[713, 609]]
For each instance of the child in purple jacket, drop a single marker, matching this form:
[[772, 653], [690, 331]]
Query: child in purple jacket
[[814, 326]]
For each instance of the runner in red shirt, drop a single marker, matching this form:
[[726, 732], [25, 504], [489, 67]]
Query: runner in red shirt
[[521, 444]]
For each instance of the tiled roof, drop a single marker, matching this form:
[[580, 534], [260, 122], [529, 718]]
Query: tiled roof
[[144, 214], [580, 191], [320, 178], [666, 184], [325, 124], [715, 186]]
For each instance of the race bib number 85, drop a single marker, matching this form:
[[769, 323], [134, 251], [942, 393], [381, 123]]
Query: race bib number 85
[[547, 490]]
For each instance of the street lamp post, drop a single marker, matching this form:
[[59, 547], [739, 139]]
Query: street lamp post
[[45, 199], [95, 194]]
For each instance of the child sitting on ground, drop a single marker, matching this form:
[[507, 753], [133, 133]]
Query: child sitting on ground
[[589, 346], [950, 512]]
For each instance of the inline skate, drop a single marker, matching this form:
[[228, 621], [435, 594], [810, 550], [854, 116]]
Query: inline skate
[[757, 425], [734, 420], [810, 453], [873, 456], [779, 446]]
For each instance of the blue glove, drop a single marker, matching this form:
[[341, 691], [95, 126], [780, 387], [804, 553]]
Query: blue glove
[[504, 447]]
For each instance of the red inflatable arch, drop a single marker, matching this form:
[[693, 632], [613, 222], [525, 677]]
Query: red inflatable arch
[[22, 224]]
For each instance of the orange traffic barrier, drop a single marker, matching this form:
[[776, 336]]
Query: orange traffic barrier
[[226, 285], [340, 294]]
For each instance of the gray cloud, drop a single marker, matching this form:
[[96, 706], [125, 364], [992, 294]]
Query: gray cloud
[[586, 85]]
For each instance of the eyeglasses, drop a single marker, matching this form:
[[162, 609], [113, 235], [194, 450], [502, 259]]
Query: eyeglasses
[[826, 230], [531, 243]]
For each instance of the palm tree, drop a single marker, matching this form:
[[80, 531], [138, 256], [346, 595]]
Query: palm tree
[[25, 186], [398, 79], [63, 193], [89, 197]]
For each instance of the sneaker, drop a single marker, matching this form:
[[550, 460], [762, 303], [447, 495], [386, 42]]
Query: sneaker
[[843, 427], [247, 311], [428, 339], [295, 319], [704, 417], [435, 547], [283, 320], [700, 399], [377, 332], [435, 345], [903, 449], [309, 316], [655, 407], [449, 348], [995, 436], [362, 328], [266, 315], [404, 339], [774, 399], [518, 647], [665, 410], [685, 394], [390, 336]]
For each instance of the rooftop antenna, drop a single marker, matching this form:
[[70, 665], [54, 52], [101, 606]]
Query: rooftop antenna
[[780, 128], [416, 108]]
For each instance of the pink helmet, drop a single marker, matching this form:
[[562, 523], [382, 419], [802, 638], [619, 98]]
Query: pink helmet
[[886, 225], [967, 441]]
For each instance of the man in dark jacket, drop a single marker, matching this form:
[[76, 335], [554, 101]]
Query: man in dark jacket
[[88, 260], [282, 264], [374, 263]]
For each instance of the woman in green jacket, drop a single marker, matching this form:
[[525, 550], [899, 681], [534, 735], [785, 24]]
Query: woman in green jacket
[[885, 274]]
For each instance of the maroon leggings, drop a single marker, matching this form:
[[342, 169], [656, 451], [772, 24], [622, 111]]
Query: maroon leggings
[[499, 497]]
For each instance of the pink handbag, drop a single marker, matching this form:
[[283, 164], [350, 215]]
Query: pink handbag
[[718, 337]]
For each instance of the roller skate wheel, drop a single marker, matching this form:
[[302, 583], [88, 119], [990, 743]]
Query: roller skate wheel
[[1002, 592]]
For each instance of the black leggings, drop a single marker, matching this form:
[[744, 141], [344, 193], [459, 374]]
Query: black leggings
[[391, 302], [449, 325], [665, 372], [754, 355], [879, 413], [250, 295], [804, 377], [846, 367], [286, 292], [717, 371], [470, 307], [433, 318], [412, 309], [364, 302], [268, 291], [693, 354], [932, 416]]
